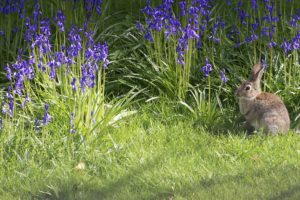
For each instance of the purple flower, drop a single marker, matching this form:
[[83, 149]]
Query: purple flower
[[88, 78], [272, 44], [148, 36], [264, 63], [296, 41], [10, 6], [183, 8], [20, 69], [76, 42], [270, 7], [52, 65], [37, 124], [27, 99], [140, 26], [47, 117], [286, 46], [73, 84], [37, 12], [31, 30], [295, 19], [254, 4], [218, 23], [43, 43], [8, 72], [89, 53], [60, 58], [207, 68], [190, 32], [45, 27], [101, 54], [251, 38], [10, 105], [60, 20], [19, 84], [223, 76], [91, 5], [89, 36], [255, 25], [214, 39]]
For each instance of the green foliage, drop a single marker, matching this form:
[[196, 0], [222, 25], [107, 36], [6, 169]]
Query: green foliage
[[150, 128]]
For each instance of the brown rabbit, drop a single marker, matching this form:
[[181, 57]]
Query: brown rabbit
[[262, 110]]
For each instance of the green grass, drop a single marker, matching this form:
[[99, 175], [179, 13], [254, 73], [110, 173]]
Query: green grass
[[172, 148], [151, 156]]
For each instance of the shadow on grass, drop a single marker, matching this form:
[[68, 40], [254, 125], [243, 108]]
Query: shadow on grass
[[91, 190], [292, 193], [255, 185]]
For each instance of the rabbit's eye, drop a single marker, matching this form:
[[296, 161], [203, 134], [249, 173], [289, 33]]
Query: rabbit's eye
[[247, 87]]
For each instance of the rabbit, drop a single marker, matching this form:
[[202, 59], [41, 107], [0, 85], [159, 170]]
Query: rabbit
[[262, 110]]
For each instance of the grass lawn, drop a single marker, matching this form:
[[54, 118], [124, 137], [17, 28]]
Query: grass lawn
[[151, 156]]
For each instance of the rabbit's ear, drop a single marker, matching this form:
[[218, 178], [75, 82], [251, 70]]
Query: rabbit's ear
[[256, 74]]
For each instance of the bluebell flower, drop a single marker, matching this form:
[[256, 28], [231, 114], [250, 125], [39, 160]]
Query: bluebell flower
[[91, 5], [183, 8], [8, 72], [88, 73], [214, 39], [140, 26], [101, 53], [43, 43], [270, 7], [89, 36], [253, 37], [19, 84], [37, 12], [31, 30], [27, 99], [228, 2], [75, 40], [296, 41], [264, 63], [8, 108], [272, 44], [37, 124], [47, 117], [254, 4], [73, 84], [52, 64], [60, 20], [207, 68], [218, 23], [255, 25], [286, 46], [9, 6], [190, 32], [223, 76]]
